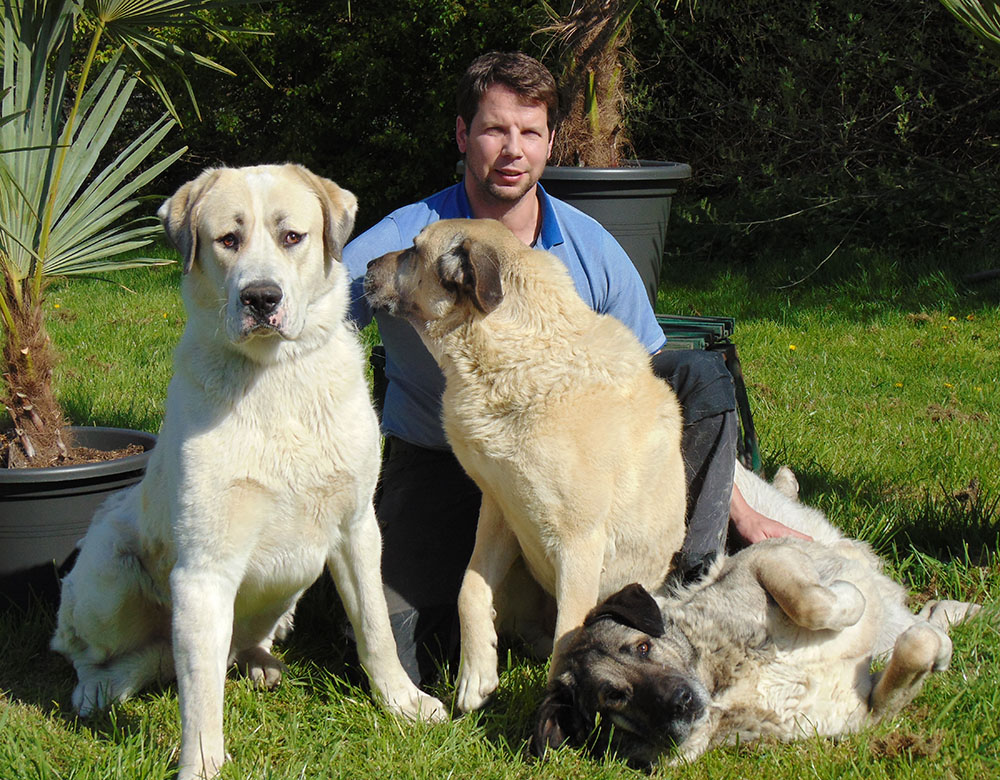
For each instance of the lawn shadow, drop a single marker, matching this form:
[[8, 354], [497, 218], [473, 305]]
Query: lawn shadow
[[962, 526]]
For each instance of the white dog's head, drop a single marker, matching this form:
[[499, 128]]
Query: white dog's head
[[261, 249]]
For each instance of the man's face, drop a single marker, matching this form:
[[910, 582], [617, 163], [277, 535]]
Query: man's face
[[506, 146]]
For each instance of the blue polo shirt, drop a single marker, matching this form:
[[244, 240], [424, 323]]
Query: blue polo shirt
[[601, 270]]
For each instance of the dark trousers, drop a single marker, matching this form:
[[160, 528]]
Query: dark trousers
[[428, 507]]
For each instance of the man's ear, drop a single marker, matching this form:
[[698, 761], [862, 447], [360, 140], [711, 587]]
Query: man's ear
[[179, 216], [632, 606], [461, 134], [340, 207], [472, 269]]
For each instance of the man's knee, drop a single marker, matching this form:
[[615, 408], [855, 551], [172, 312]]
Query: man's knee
[[700, 379]]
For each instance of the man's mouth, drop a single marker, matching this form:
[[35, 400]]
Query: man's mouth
[[508, 176]]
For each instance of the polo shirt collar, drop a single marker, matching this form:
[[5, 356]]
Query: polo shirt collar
[[549, 236]]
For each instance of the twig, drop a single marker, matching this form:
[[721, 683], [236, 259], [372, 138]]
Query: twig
[[823, 261]]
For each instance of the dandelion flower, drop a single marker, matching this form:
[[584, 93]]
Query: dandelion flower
[[953, 319], [791, 347]]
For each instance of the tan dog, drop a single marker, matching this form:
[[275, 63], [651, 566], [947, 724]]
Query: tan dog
[[263, 471], [777, 640], [555, 412]]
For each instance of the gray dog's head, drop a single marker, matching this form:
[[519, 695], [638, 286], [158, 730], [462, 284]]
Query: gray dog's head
[[631, 669]]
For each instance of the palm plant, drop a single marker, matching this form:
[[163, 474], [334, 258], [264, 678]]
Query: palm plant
[[60, 215], [592, 42], [981, 17]]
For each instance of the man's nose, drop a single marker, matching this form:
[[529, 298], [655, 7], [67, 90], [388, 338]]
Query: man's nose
[[512, 144]]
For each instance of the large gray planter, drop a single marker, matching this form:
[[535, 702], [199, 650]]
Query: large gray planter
[[44, 512], [631, 202]]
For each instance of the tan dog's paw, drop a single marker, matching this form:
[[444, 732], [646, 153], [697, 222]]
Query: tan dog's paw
[[786, 483], [475, 686]]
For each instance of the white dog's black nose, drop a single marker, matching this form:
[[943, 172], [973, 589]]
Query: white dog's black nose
[[262, 297]]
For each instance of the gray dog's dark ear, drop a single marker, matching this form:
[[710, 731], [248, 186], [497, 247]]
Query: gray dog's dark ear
[[632, 606], [559, 720], [472, 268]]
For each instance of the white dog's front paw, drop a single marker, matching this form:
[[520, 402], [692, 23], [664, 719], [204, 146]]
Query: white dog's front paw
[[97, 692], [90, 697], [413, 704], [475, 685], [260, 666]]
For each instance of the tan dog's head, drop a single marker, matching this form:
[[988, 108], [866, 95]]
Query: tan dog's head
[[260, 250], [452, 273]]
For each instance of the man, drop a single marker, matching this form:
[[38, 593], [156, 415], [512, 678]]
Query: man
[[427, 506]]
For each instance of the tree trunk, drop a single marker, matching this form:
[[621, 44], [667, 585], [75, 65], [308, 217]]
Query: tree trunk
[[37, 436]]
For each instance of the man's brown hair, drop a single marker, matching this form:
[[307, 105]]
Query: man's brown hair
[[523, 75]]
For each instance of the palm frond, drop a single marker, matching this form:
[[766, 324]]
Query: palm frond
[[982, 17]]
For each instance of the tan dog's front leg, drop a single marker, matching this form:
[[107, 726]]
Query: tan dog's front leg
[[202, 634], [578, 586], [495, 550]]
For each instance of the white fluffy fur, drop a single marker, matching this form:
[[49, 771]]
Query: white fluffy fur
[[263, 472], [836, 613]]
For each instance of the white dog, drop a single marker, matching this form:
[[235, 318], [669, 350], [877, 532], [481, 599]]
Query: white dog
[[263, 472]]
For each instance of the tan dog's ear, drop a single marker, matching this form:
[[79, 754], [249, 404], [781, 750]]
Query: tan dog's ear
[[340, 206], [472, 268], [179, 216]]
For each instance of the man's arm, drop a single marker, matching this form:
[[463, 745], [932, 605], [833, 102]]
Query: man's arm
[[373, 243]]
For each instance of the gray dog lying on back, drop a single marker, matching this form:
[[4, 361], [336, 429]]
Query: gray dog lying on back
[[777, 640]]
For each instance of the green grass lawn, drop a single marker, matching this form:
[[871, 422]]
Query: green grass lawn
[[877, 379]]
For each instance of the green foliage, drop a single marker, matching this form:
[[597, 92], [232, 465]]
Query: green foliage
[[982, 18], [67, 198], [363, 92], [886, 114]]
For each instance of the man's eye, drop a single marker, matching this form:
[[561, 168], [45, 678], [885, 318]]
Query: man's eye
[[229, 241]]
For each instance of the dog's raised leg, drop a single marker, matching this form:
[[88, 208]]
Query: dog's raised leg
[[492, 556], [791, 578], [919, 650], [355, 564]]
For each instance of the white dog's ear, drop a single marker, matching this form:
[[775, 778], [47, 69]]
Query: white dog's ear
[[472, 268], [340, 207], [179, 216]]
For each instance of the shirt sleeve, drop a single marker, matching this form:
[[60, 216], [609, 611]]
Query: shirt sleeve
[[624, 296], [376, 241]]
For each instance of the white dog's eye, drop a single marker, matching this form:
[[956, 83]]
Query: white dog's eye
[[291, 238], [229, 241]]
